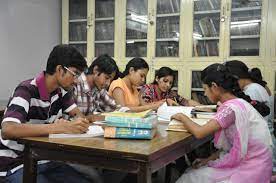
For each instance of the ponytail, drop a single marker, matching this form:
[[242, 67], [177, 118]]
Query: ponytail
[[221, 75], [261, 107], [256, 76]]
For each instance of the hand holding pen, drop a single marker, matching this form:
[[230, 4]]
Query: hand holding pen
[[171, 102]]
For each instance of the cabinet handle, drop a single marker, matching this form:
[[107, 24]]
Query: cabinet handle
[[223, 15], [89, 21], [228, 7]]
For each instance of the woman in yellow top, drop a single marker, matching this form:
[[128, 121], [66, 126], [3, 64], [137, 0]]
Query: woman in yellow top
[[124, 90]]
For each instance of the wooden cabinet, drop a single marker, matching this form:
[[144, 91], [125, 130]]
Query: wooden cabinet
[[184, 35]]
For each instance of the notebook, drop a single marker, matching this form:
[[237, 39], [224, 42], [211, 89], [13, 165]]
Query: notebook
[[93, 131]]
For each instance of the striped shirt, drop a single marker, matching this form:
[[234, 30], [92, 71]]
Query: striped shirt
[[31, 103], [91, 100]]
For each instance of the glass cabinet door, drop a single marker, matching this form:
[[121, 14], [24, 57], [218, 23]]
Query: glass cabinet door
[[206, 27], [197, 93], [245, 28], [136, 28], [104, 27], [77, 25], [167, 28]]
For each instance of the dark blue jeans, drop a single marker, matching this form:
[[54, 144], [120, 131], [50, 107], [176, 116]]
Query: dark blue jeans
[[52, 172]]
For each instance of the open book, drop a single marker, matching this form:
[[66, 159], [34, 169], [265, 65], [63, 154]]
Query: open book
[[165, 112], [175, 125], [93, 131]]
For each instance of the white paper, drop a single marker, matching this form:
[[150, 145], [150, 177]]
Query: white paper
[[93, 131], [166, 112]]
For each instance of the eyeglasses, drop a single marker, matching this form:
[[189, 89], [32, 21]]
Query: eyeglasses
[[76, 75]]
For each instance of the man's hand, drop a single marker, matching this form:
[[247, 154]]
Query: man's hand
[[79, 125]]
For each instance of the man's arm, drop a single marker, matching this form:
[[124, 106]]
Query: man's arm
[[14, 130]]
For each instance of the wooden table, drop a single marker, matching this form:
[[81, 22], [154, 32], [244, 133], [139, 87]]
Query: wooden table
[[135, 156]]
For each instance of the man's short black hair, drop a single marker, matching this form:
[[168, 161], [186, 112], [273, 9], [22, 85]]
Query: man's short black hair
[[65, 55], [105, 64]]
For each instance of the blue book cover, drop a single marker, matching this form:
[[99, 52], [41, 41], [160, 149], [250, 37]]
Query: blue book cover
[[129, 133], [132, 124], [120, 119]]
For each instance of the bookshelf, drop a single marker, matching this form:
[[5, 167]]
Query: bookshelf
[[245, 27], [167, 28], [136, 28], [197, 92], [77, 25], [206, 28], [186, 36], [104, 27]]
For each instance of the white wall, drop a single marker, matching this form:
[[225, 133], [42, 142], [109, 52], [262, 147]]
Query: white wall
[[28, 31]]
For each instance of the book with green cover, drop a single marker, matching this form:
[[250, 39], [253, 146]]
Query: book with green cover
[[128, 133], [128, 114], [147, 122]]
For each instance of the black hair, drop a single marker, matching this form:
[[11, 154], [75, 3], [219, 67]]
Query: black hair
[[66, 56], [241, 70], [105, 64], [163, 72], [221, 75], [257, 77], [136, 64]]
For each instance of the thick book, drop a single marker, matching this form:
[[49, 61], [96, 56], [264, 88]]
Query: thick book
[[175, 125], [129, 133], [147, 122]]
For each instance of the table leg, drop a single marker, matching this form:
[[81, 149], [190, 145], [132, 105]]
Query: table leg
[[30, 166], [144, 173]]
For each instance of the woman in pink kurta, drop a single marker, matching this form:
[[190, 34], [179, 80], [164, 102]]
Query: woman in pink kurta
[[240, 133]]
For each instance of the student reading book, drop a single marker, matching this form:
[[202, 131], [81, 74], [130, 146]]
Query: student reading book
[[124, 90], [240, 133], [42, 100], [160, 89], [90, 93]]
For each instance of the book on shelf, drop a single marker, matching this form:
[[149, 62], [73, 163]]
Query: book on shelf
[[175, 125], [207, 27], [93, 131], [212, 48], [147, 122], [129, 133], [196, 79], [199, 96]]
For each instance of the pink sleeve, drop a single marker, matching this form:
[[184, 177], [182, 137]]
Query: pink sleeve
[[231, 159], [225, 116]]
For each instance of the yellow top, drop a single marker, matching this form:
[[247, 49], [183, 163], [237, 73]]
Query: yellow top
[[131, 98]]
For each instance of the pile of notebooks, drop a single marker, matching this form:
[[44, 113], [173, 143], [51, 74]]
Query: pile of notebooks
[[130, 125]]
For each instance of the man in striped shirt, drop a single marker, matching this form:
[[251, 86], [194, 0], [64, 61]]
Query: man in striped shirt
[[36, 108], [90, 93]]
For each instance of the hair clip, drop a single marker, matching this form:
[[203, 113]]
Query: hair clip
[[221, 68], [253, 102]]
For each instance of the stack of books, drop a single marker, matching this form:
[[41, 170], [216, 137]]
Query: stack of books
[[199, 115], [130, 125]]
